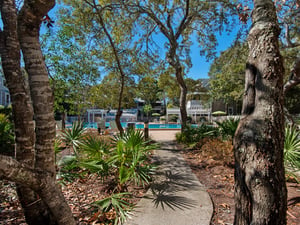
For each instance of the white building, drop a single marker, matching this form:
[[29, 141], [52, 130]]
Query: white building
[[128, 115], [4, 93], [194, 109]]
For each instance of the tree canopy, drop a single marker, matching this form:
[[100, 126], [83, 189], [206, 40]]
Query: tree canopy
[[227, 73]]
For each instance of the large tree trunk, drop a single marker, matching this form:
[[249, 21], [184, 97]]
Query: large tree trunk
[[42, 183], [34, 210], [41, 178], [29, 21], [260, 190]]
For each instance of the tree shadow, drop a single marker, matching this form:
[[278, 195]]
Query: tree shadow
[[173, 202], [172, 178]]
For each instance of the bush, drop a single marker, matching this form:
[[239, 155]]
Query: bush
[[173, 118], [119, 204], [6, 135], [191, 135], [228, 128], [219, 151], [73, 137], [6, 110], [292, 149]]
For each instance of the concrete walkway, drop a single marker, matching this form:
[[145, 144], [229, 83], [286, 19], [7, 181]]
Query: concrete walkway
[[175, 197]]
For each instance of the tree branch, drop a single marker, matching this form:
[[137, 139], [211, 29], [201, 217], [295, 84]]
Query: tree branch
[[12, 170], [185, 21], [287, 36], [152, 15], [294, 78]]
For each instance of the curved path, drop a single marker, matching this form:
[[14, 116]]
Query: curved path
[[175, 197]]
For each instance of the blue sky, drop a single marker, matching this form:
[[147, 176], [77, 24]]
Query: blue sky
[[201, 66]]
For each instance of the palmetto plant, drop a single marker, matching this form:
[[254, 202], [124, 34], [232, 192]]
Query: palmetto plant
[[130, 158], [94, 155], [118, 203], [228, 127], [292, 148], [73, 137], [58, 146]]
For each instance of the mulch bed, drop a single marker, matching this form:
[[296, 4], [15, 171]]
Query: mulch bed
[[80, 194], [218, 177]]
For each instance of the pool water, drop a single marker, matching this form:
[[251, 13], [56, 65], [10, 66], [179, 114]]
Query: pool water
[[158, 126], [138, 125]]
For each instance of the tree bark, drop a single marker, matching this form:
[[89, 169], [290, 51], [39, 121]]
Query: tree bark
[[22, 111], [29, 21], [42, 183], [260, 190], [39, 177], [183, 93]]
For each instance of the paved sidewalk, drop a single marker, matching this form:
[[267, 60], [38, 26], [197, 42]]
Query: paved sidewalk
[[176, 197]]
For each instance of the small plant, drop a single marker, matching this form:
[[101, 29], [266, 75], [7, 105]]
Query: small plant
[[94, 155], [73, 137], [118, 203], [68, 168], [173, 118], [131, 159], [58, 146], [292, 149], [228, 127]]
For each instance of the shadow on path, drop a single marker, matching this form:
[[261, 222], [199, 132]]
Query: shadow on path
[[175, 196]]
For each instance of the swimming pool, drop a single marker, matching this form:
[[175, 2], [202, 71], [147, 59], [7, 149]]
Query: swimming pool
[[158, 126], [138, 125]]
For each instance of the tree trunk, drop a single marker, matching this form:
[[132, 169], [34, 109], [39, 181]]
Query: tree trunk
[[260, 190], [42, 183], [183, 93], [41, 178], [29, 21], [22, 111]]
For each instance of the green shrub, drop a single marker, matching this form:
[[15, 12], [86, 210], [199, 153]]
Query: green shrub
[[292, 149], [228, 127], [6, 135], [173, 118], [6, 110], [94, 155], [69, 169], [191, 135]]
